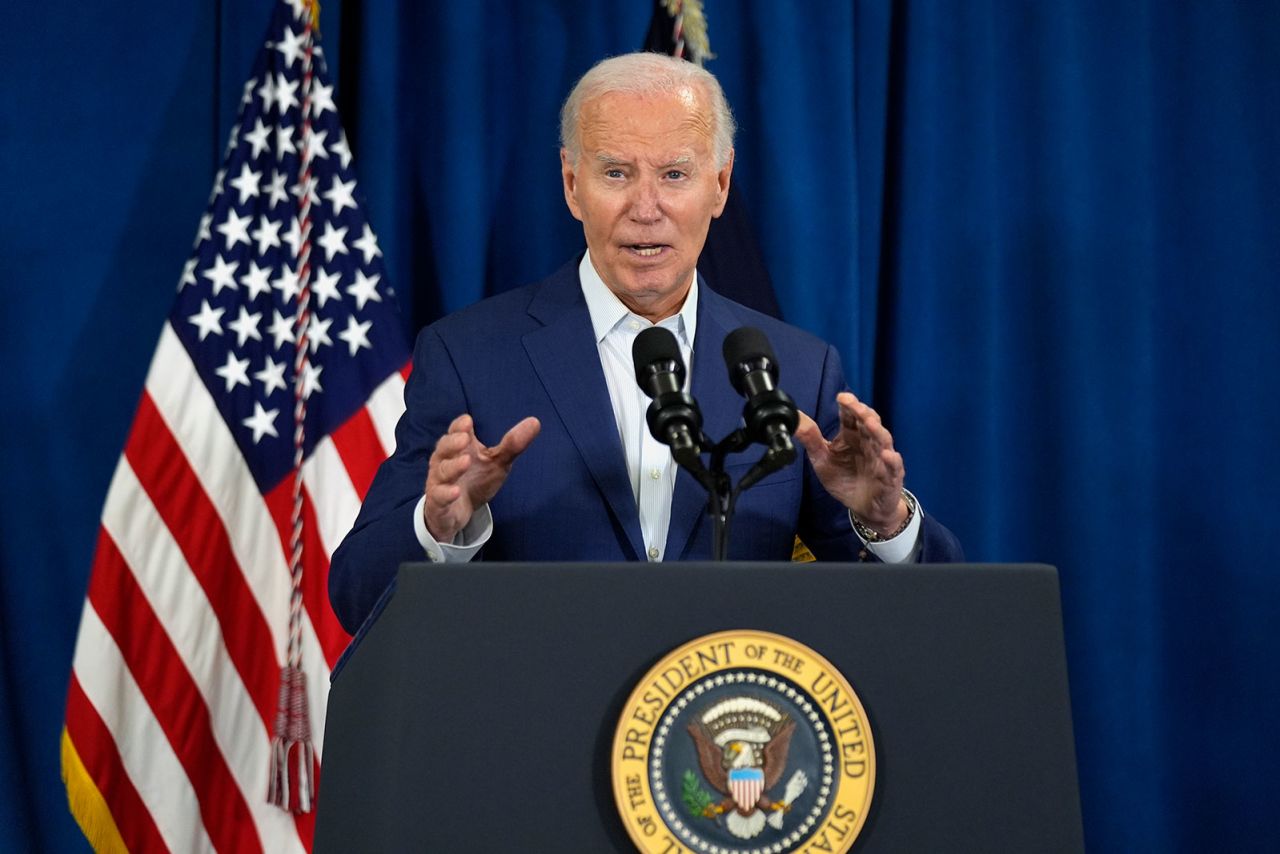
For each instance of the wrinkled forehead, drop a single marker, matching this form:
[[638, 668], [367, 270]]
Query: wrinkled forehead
[[680, 119]]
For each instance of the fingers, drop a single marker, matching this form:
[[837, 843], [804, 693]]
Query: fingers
[[810, 437], [516, 440], [862, 420]]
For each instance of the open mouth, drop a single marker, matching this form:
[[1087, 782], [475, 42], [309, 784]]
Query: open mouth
[[647, 250]]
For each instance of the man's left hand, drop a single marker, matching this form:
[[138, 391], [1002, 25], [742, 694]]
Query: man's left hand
[[859, 467]]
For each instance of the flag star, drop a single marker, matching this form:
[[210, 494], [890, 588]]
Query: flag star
[[217, 184], [293, 236], [368, 244], [340, 195], [235, 228], [285, 97], [311, 379], [281, 329], [188, 273], [245, 327], [258, 137], [262, 422], [364, 289], [321, 99], [267, 234], [291, 46], [267, 92], [341, 149], [256, 280], [235, 372], [284, 142], [325, 286], [209, 319], [287, 284], [313, 144], [202, 233], [333, 241], [247, 95], [276, 189], [271, 376], [356, 334], [310, 189], [247, 182], [318, 332], [299, 8], [222, 274]]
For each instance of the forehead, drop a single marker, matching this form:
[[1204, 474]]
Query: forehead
[[623, 122]]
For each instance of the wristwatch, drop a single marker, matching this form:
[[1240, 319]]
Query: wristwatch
[[872, 536]]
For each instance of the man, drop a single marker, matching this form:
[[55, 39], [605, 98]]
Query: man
[[524, 420]]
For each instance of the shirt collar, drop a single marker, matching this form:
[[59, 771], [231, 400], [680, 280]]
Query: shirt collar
[[607, 311]]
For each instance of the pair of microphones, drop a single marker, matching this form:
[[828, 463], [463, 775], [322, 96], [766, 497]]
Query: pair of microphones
[[769, 415]]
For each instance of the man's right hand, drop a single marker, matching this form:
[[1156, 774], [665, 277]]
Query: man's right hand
[[463, 474]]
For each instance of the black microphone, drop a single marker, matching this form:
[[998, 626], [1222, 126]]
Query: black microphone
[[770, 413], [673, 416]]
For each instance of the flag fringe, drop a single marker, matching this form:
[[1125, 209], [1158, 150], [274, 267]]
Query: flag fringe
[[88, 806]]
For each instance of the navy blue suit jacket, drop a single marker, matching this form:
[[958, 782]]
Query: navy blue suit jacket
[[532, 351]]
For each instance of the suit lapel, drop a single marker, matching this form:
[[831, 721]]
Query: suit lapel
[[564, 355], [721, 411]]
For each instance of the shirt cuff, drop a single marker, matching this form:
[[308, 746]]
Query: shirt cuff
[[465, 543], [904, 548]]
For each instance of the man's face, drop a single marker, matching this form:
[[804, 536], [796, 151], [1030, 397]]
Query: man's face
[[645, 188]]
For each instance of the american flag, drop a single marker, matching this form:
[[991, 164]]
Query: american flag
[[174, 692]]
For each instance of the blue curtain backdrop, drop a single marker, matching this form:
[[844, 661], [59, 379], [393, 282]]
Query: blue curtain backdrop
[[1043, 234]]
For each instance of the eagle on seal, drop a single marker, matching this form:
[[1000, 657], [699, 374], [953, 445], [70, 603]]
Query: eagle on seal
[[742, 746]]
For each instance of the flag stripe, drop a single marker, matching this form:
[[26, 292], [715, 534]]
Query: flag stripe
[[386, 405], [188, 513], [145, 751], [163, 575], [101, 760], [315, 577], [360, 447], [173, 697], [189, 411]]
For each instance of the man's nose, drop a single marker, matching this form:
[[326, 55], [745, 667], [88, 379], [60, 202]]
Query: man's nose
[[646, 202]]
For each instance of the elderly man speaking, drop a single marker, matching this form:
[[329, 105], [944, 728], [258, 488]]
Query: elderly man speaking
[[524, 437]]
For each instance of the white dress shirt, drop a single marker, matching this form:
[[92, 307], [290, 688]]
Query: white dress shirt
[[649, 463]]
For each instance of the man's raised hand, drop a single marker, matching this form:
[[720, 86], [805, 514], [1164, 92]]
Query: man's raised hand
[[463, 474]]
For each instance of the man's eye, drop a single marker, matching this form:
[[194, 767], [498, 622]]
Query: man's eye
[[674, 175], [613, 173]]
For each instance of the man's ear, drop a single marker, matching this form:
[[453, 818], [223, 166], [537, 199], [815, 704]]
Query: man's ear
[[722, 185], [570, 184]]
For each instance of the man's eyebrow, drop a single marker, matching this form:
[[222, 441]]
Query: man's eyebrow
[[610, 160]]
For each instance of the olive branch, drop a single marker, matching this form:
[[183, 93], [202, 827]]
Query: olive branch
[[696, 799]]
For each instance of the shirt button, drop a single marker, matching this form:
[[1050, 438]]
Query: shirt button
[[653, 552], [655, 474], [635, 324]]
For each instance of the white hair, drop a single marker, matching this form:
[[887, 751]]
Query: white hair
[[647, 74]]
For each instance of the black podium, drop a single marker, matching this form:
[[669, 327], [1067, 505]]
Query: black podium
[[478, 711]]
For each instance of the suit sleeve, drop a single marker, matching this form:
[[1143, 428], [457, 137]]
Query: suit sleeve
[[383, 535]]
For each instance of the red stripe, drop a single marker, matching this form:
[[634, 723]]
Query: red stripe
[[406, 370], [193, 520], [101, 759], [315, 567], [173, 696], [360, 448]]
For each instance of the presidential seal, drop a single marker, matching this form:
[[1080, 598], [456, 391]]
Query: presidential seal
[[743, 742]]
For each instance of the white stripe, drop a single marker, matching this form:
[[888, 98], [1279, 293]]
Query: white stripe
[[189, 411], [148, 758], [385, 406], [332, 494], [181, 606]]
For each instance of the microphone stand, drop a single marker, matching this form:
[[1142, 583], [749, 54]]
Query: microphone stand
[[722, 494]]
